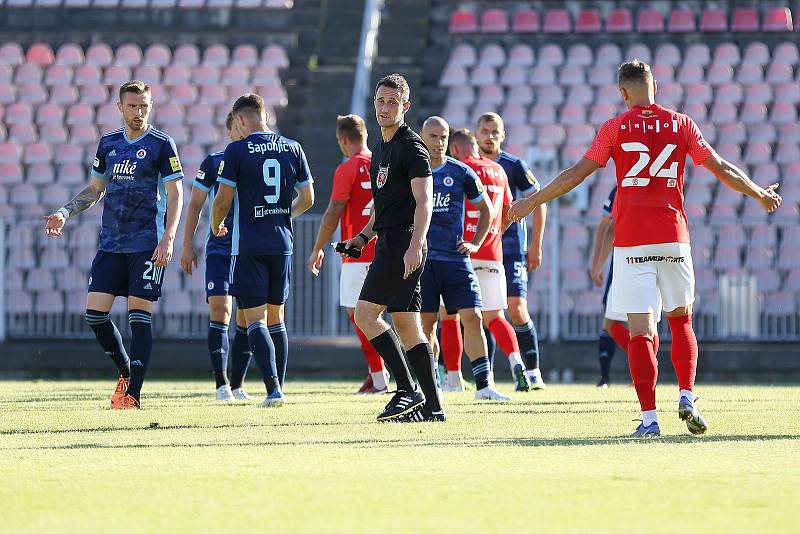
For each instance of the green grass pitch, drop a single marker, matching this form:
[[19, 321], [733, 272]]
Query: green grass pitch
[[549, 461]]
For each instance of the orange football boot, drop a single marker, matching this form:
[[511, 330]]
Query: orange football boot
[[120, 391], [126, 403]]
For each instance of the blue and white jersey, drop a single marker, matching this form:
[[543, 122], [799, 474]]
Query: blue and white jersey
[[522, 183], [608, 205], [134, 210], [206, 180], [264, 168], [452, 181]]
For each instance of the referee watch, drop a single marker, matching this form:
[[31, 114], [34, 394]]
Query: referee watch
[[364, 237]]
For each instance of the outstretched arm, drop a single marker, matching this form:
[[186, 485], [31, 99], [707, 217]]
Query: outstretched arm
[[84, 200], [730, 175]]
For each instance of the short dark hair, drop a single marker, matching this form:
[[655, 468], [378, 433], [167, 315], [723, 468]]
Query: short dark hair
[[491, 116], [462, 135], [137, 87], [395, 81], [229, 121], [249, 103], [351, 127], [636, 71]]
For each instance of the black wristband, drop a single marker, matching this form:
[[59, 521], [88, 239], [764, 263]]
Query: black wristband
[[362, 236]]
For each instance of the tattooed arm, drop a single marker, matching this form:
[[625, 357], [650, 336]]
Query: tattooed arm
[[84, 200]]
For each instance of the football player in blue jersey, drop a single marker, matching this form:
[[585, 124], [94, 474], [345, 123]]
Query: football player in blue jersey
[[218, 263], [518, 258], [137, 171], [448, 273], [258, 175]]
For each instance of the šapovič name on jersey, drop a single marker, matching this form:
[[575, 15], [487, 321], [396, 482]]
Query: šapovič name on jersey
[[269, 146]]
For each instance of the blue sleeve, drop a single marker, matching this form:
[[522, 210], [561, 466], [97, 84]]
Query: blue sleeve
[[99, 167], [169, 165], [303, 178], [206, 176], [473, 187], [525, 181], [228, 167], [609, 203]]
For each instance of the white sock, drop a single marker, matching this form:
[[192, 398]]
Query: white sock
[[379, 380], [649, 417], [514, 359], [688, 394], [453, 377], [534, 372]]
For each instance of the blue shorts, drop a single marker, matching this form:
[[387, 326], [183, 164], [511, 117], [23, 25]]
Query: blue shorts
[[608, 282], [126, 274], [218, 272], [516, 276], [455, 282], [256, 280]]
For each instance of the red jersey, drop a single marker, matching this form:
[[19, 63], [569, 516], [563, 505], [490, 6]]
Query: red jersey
[[495, 181], [649, 146], [351, 184]]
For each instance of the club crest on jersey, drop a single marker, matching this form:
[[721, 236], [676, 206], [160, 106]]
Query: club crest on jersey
[[383, 175], [210, 286], [448, 181], [141, 153]]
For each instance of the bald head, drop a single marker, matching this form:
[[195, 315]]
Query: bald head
[[435, 133]]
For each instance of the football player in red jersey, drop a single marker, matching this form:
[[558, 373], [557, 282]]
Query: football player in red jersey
[[652, 258], [351, 204]]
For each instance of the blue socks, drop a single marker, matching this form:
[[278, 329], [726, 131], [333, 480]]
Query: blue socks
[[141, 347], [264, 355], [110, 339], [218, 349], [491, 345], [480, 370], [606, 349], [240, 357], [528, 340], [280, 340]]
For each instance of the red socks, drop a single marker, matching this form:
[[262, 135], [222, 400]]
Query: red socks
[[620, 334], [644, 370], [374, 360], [684, 350], [504, 334], [452, 344]]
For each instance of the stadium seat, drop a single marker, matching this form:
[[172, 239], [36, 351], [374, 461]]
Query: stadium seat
[[582, 95], [650, 21], [756, 53], [99, 55], [733, 132], [727, 257], [10, 172], [777, 19], [6, 73], [663, 74], [87, 75], [513, 75], [525, 21], [72, 173], [697, 54], [779, 73], [492, 55], [619, 20], [513, 114], [727, 54], [753, 113], [759, 93], [49, 114], [542, 114], [745, 19], [588, 21], [204, 75], [608, 54], [729, 93], [55, 196], [10, 152], [750, 74], [579, 54], [19, 113], [244, 55], [70, 55], [670, 95], [787, 153], [461, 95], [464, 55], [790, 133], [522, 94], [783, 113], [33, 94], [63, 95], [19, 301], [116, 75], [463, 21], [216, 55], [40, 54], [521, 55], [572, 75], [23, 133], [57, 75], [601, 112], [682, 21], [601, 75], [483, 75], [29, 73], [668, 54], [80, 114], [572, 114], [8, 93], [37, 153], [714, 20], [11, 54], [718, 74], [690, 74], [275, 55], [551, 94], [494, 21], [557, 21], [128, 55], [551, 55], [542, 75], [639, 51], [786, 53]]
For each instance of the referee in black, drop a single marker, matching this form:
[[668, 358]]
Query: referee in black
[[402, 189]]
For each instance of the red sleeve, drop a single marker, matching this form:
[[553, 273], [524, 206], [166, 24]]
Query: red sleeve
[[696, 145], [603, 144], [342, 183]]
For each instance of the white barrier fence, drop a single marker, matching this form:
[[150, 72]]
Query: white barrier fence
[[313, 307]]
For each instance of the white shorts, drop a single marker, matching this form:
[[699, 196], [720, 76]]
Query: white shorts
[[351, 279], [647, 275], [492, 281], [611, 315]]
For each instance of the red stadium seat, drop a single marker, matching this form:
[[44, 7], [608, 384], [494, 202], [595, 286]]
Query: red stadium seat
[[183, 94], [557, 21], [461, 95], [759, 93], [490, 96], [785, 53], [714, 20], [668, 54], [788, 93], [520, 55], [10, 172], [588, 21], [492, 55], [734, 132], [63, 95], [650, 21], [149, 74], [699, 93], [663, 74], [275, 55], [23, 133], [116, 75], [778, 19], [28, 73], [580, 54], [87, 75], [187, 55], [745, 19], [72, 173], [542, 75], [552, 134], [11, 54], [619, 21], [245, 55], [99, 54], [762, 133], [33, 94], [513, 75], [453, 76], [690, 74], [265, 75], [572, 114], [727, 54], [779, 73], [787, 153], [525, 21], [483, 75], [464, 55], [601, 75], [608, 54], [85, 134], [601, 112], [757, 153], [19, 113], [69, 54], [783, 113], [670, 95], [40, 54], [571, 75], [790, 133], [169, 115], [235, 75], [697, 54], [521, 134], [204, 75], [542, 114], [552, 94], [582, 95], [639, 51], [729, 93], [128, 55], [463, 21], [176, 75], [608, 94], [580, 135], [521, 94], [698, 112], [19, 301], [756, 53], [494, 21], [57, 75], [719, 74], [216, 55], [551, 54], [6, 73], [48, 114], [157, 55], [682, 21]]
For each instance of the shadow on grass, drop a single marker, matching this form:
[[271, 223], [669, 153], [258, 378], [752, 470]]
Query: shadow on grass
[[458, 442]]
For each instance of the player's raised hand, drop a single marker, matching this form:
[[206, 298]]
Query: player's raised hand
[[467, 248], [55, 222], [771, 199], [412, 259], [315, 261], [162, 255], [188, 260]]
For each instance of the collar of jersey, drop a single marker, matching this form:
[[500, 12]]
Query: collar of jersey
[[145, 134], [445, 161], [265, 133]]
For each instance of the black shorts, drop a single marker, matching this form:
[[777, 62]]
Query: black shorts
[[385, 283], [126, 274]]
